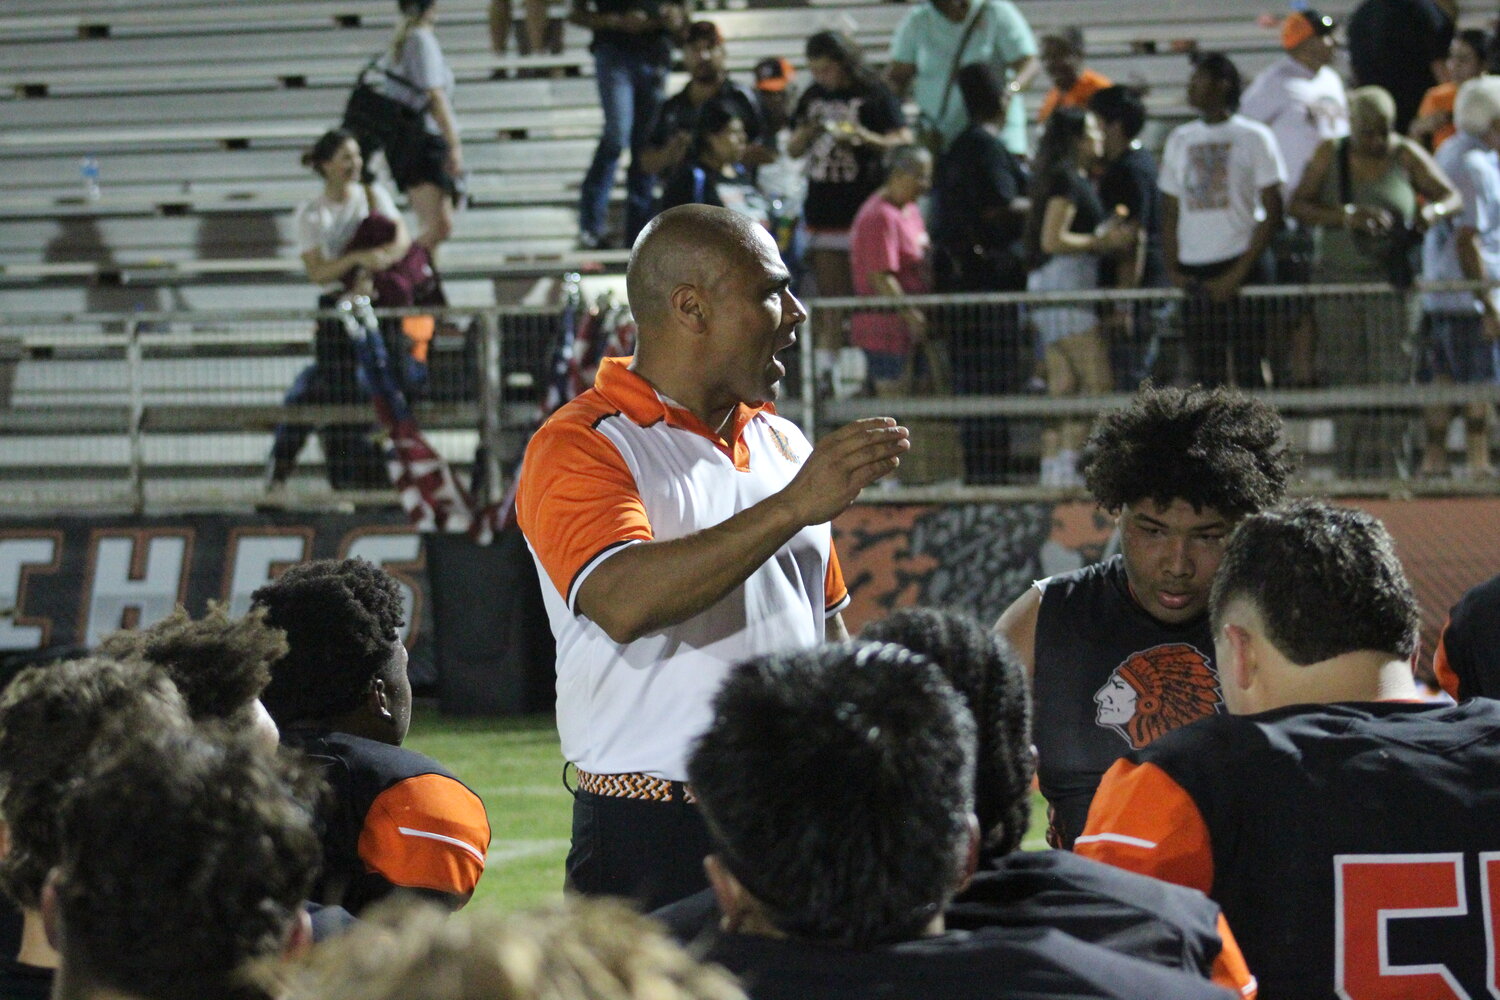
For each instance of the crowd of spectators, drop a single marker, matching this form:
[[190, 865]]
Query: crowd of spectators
[[1265, 185], [1254, 190]]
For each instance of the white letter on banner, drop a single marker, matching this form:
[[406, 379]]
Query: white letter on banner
[[253, 556], [16, 554], [112, 592]]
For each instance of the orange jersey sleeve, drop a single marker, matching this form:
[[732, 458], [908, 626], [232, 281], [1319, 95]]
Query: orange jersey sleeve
[[1049, 104], [427, 832], [1230, 970], [1442, 668], [835, 593], [1143, 821], [576, 497]]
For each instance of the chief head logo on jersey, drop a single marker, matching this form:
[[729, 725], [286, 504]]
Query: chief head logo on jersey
[[1157, 690]]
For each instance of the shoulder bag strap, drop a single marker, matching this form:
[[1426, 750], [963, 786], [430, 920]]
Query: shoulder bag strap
[[393, 75], [958, 57], [1346, 185]]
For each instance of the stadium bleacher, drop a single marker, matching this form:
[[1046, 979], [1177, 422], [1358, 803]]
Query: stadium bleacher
[[196, 113]]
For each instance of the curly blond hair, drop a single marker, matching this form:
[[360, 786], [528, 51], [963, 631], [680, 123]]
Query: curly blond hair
[[576, 950]]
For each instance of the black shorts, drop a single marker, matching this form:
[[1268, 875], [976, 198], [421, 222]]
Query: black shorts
[[422, 162]]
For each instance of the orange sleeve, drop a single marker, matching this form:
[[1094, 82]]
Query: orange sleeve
[[1089, 84], [835, 593], [427, 832], [576, 498], [1048, 103], [1441, 667], [1432, 102], [1230, 970], [1143, 821]]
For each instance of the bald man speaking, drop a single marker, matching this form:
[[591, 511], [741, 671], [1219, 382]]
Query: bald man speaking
[[680, 526]]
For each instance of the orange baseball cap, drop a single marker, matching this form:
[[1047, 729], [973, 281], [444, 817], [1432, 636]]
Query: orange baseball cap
[[773, 74], [1300, 25]]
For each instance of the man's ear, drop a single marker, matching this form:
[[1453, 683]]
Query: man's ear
[[734, 901], [1242, 657], [379, 700], [4, 838], [299, 936], [689, 308], [51, 912], [971, 855]]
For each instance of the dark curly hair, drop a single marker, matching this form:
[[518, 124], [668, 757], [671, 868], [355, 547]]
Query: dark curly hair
[[50, 716], [220, 664], [340, 618], [987, 675], [186, 854], [1211, 447]]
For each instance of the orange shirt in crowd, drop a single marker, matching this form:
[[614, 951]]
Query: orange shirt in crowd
[[1087, 85], [1439, 98]]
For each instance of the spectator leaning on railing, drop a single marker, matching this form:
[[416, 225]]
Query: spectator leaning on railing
[[978, 214], [1462, 327], [1067, 235], [888, 246], [1361, 192], [1221, 178]]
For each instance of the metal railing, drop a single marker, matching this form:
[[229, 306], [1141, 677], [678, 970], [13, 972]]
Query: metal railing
[[1013, 378], [179, 409]]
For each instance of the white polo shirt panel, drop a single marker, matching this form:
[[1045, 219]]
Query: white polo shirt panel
[[637, 707]]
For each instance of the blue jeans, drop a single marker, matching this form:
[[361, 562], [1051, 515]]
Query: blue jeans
[[632, 88]]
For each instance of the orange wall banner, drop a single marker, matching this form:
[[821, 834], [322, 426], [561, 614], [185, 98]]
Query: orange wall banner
[[978, 557]]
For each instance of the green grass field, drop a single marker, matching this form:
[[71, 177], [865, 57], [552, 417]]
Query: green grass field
[[515, 766]]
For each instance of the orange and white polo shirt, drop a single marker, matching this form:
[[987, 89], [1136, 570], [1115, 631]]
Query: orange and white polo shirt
[[620, 465]]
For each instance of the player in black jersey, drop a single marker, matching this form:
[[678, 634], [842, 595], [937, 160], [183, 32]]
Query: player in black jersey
[[1467, 658], [837, 784], [1125, 912], [1119, 652], [1350, 832], [341, 695]]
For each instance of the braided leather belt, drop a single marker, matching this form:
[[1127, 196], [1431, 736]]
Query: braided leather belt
[[634, 786]]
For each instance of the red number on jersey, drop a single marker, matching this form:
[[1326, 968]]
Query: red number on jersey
[[1371, 890]]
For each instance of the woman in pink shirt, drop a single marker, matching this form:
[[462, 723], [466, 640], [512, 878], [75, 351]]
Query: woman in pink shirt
[[888, 257]]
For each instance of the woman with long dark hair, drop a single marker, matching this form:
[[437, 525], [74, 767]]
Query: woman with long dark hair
[[1066, 234], [713, 172], [844, 124], [430, 170]]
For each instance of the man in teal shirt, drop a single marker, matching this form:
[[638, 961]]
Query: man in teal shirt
[[924, 49]]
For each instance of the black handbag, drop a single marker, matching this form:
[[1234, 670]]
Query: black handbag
[[380, 122]]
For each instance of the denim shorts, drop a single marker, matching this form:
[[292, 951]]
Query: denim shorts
[[1455, 347]]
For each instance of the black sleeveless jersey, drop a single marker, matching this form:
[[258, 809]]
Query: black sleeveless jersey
[[1354, 847], [1036, 963], [1108, 679]]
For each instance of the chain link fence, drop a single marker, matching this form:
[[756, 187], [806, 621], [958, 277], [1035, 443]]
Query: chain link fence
[[160, 410], [1000, 389]]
